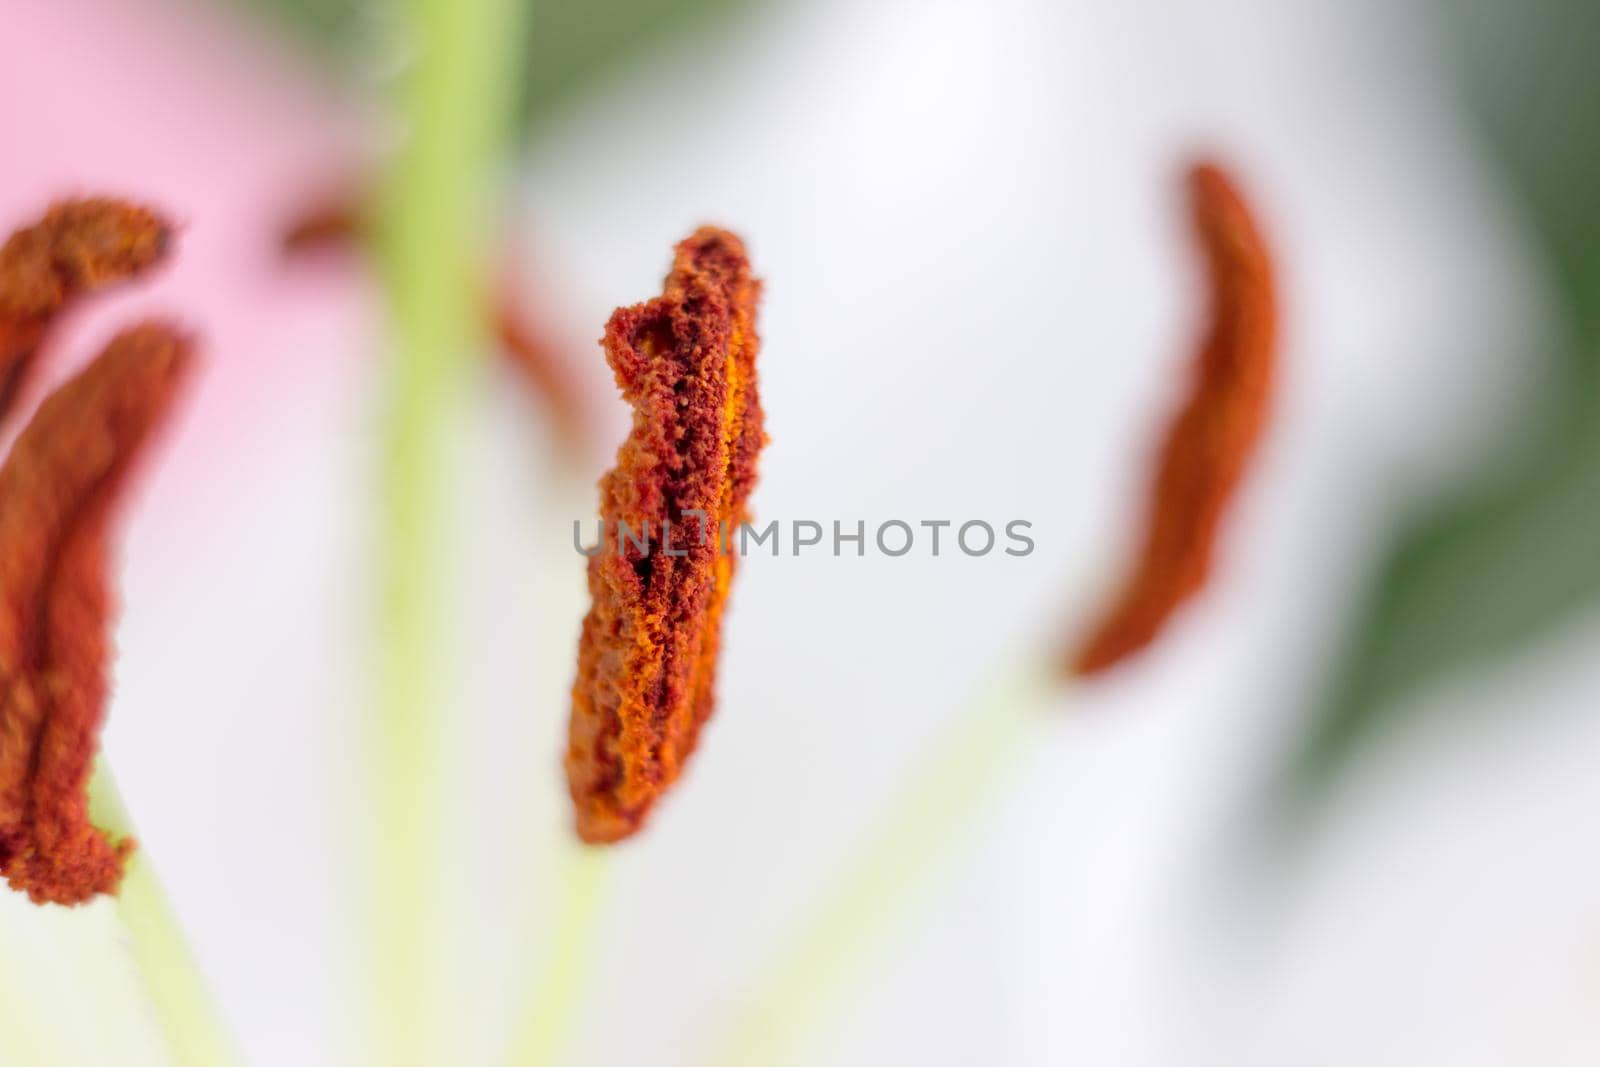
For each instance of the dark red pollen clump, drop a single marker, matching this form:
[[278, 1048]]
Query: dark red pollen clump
[[79, 246], [1211, 442], [58, 491], [647, 658]]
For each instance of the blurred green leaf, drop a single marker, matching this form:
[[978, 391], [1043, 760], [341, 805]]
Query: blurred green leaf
[[572, 44], [1517, 549]]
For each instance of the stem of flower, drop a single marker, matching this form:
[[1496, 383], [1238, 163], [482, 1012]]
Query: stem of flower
[[431, 236], [28, 1038], [551, 1003], [921, 829], [188, 1013], [559, 989]]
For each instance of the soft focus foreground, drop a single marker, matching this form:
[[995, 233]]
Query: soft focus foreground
[[975, 308]]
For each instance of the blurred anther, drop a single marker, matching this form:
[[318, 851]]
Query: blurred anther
[[1215, 434], [339, 222], [334, 223], [79, 246]]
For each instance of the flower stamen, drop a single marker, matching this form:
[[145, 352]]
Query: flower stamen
[[58, 490], [1215, 434], [647, 658], [79, 246]]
